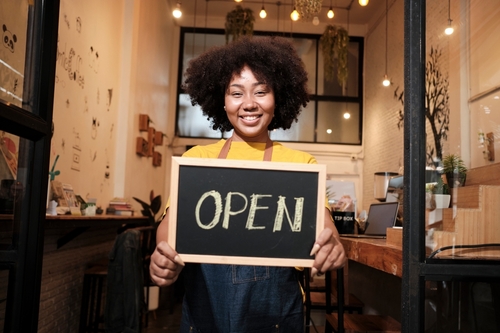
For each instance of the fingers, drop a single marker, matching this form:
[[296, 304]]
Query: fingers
[[165, 265], [329, 253]]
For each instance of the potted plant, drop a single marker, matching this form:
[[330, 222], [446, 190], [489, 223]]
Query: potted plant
[[455, 170], [439, 194], [239, 22], [334, 43]]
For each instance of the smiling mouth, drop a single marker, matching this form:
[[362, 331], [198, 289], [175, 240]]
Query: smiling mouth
[[250, 118]]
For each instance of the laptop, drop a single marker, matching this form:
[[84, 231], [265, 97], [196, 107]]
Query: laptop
[[380, 217]]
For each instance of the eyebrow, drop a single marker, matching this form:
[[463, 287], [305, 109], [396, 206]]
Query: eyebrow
[[253, 84]]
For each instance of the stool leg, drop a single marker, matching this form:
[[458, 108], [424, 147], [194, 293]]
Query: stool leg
[[98, 304], [85, 305]]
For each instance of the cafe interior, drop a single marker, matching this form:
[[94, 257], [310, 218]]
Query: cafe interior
[[92, 114]]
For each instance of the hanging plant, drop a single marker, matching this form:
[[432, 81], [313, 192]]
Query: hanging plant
[[334, 42], [239, 22], [308, 8]]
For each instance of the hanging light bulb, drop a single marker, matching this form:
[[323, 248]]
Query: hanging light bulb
[[238, 0], [347, 115], [315, 20], [386, 81], [449, 29], [295, 14], [363, 2], [263, 13], [330, 13], [177, 13]]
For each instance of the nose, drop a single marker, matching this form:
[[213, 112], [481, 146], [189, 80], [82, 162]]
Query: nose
[[249, 103]]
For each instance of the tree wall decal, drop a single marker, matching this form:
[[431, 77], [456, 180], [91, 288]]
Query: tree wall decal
[[437, 108]]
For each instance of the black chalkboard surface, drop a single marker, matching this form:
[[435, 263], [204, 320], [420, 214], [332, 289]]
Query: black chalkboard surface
[[245, 212]]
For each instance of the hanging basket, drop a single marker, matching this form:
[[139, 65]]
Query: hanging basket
[[239, 22], [334, 43]]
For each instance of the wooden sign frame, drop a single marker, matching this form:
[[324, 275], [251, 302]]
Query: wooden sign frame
[[183, 165]]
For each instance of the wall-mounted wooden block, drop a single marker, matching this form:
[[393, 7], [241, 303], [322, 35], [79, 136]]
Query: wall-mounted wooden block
[[158, 138], [143, 122], [141, 147], [156, 159], [151, 140]]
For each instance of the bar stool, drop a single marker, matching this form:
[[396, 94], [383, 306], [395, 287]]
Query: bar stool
[[341, 322], [93, 299]]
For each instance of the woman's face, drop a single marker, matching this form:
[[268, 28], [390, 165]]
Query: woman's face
[[249, 106]]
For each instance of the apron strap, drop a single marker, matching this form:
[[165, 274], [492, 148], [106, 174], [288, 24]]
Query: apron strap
[[268, 153]]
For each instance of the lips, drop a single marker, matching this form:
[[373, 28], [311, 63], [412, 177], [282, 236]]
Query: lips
[[251, 118]]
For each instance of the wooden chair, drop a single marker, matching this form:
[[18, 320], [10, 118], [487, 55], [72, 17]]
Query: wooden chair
[[342, 322]]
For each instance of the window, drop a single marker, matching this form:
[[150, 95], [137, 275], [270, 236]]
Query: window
[[333, 116]]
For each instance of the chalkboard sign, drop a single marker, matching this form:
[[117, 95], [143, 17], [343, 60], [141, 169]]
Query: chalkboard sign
[[246, 212]]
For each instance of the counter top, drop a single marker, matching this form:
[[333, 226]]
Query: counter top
[[375, 253]]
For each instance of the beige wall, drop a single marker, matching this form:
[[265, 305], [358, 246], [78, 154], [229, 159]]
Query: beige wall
[[126, 47]]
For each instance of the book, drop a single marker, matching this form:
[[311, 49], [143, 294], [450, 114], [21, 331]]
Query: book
[[124, 212]]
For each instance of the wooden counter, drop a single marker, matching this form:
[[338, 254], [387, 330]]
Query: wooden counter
[[80, 224], [375, 253], [74, 221]]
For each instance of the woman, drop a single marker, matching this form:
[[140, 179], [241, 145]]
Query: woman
[[251, 86]]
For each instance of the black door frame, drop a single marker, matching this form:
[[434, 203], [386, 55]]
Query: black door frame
[[416, 267], [24, 258]]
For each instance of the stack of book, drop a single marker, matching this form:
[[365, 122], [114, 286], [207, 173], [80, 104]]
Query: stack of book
[[120, 206]]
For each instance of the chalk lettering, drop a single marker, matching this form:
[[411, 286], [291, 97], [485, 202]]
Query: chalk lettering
[[218, 209], [297, 219], [253, 208], [227, 208], [281, 211]]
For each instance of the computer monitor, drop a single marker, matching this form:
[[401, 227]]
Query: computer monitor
[[395, 194]]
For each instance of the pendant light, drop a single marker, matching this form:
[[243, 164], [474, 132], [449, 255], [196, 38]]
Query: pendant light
[[386, 82], [449, 29], [347, 114], [263, 12], [294, 15], [330, 13], [363, 2], [177, 13]]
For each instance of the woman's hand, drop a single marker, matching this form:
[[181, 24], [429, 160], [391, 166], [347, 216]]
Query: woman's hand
[[165, 265], [329, 251]]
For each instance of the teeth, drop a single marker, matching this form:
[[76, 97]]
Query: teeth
[[250, 117]]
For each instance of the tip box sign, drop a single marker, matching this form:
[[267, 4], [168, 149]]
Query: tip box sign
[[245, 212]]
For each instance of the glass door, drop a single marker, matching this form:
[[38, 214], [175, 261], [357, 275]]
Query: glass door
[[27, 72]]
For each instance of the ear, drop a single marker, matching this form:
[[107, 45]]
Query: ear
[[4, 27], [14, 37]]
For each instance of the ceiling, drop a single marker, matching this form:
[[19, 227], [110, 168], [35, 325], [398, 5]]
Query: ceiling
[[281, 9]]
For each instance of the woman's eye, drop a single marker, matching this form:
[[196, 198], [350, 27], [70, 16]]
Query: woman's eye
[[236, 94]]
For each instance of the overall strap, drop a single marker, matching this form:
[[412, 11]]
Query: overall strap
[[268, 153]]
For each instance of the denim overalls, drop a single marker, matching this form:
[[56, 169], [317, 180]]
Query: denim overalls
[[231, 299], [237, 299]]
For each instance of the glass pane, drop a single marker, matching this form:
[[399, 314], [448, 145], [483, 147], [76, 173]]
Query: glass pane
[[302, 131], [192, 123], [463, 123], [197, 43], [306, 48], [338, 122], [454, 306], [14, 22], [332, 88], [11, 188]]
